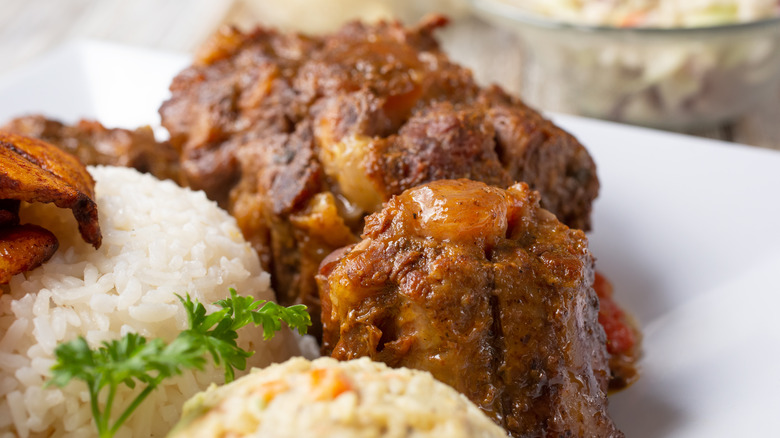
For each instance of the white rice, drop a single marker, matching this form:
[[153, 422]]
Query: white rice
[[158, 240]]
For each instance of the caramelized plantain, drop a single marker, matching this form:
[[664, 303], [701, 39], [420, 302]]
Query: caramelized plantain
[[24, 247], [9, 212], [35, 171]]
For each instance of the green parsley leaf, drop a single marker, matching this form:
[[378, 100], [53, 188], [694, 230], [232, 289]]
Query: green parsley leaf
[[133, 359]]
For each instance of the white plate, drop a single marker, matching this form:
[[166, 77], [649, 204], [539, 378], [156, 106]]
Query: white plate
[[687, 230]]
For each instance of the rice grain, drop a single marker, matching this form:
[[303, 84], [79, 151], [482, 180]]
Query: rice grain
[[159, 240]]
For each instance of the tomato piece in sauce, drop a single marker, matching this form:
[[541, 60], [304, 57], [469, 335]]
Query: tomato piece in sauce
[[623, 336], [620, 334]]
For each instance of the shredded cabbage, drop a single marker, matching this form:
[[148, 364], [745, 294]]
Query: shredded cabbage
[[653, 13]]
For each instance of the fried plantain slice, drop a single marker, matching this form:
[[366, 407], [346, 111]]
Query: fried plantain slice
[[24, 247], [35, 171], [9, 212]]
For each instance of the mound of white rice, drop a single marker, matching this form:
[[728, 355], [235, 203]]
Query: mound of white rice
[[158, 240]]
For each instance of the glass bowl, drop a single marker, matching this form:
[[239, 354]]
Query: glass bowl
[[678, 78]]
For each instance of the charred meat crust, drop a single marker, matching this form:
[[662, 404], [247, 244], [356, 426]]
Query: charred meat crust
[[488, 292], [266, 122]]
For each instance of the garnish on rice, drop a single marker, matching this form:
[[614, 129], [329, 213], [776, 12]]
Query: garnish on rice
[[133, 359]]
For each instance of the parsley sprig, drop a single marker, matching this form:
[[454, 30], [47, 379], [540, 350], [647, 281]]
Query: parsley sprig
[[133, 359]]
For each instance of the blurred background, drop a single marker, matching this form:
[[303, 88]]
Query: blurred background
[[487, 39]]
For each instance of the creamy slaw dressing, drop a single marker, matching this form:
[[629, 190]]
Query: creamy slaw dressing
[[653, 13]]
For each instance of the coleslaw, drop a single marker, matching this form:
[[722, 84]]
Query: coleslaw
[[676, 64], [653, 13]]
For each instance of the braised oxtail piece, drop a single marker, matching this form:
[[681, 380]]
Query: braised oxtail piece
[[301, 137], [487, 291]]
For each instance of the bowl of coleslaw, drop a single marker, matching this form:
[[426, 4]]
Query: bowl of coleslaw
[[675, 64]]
